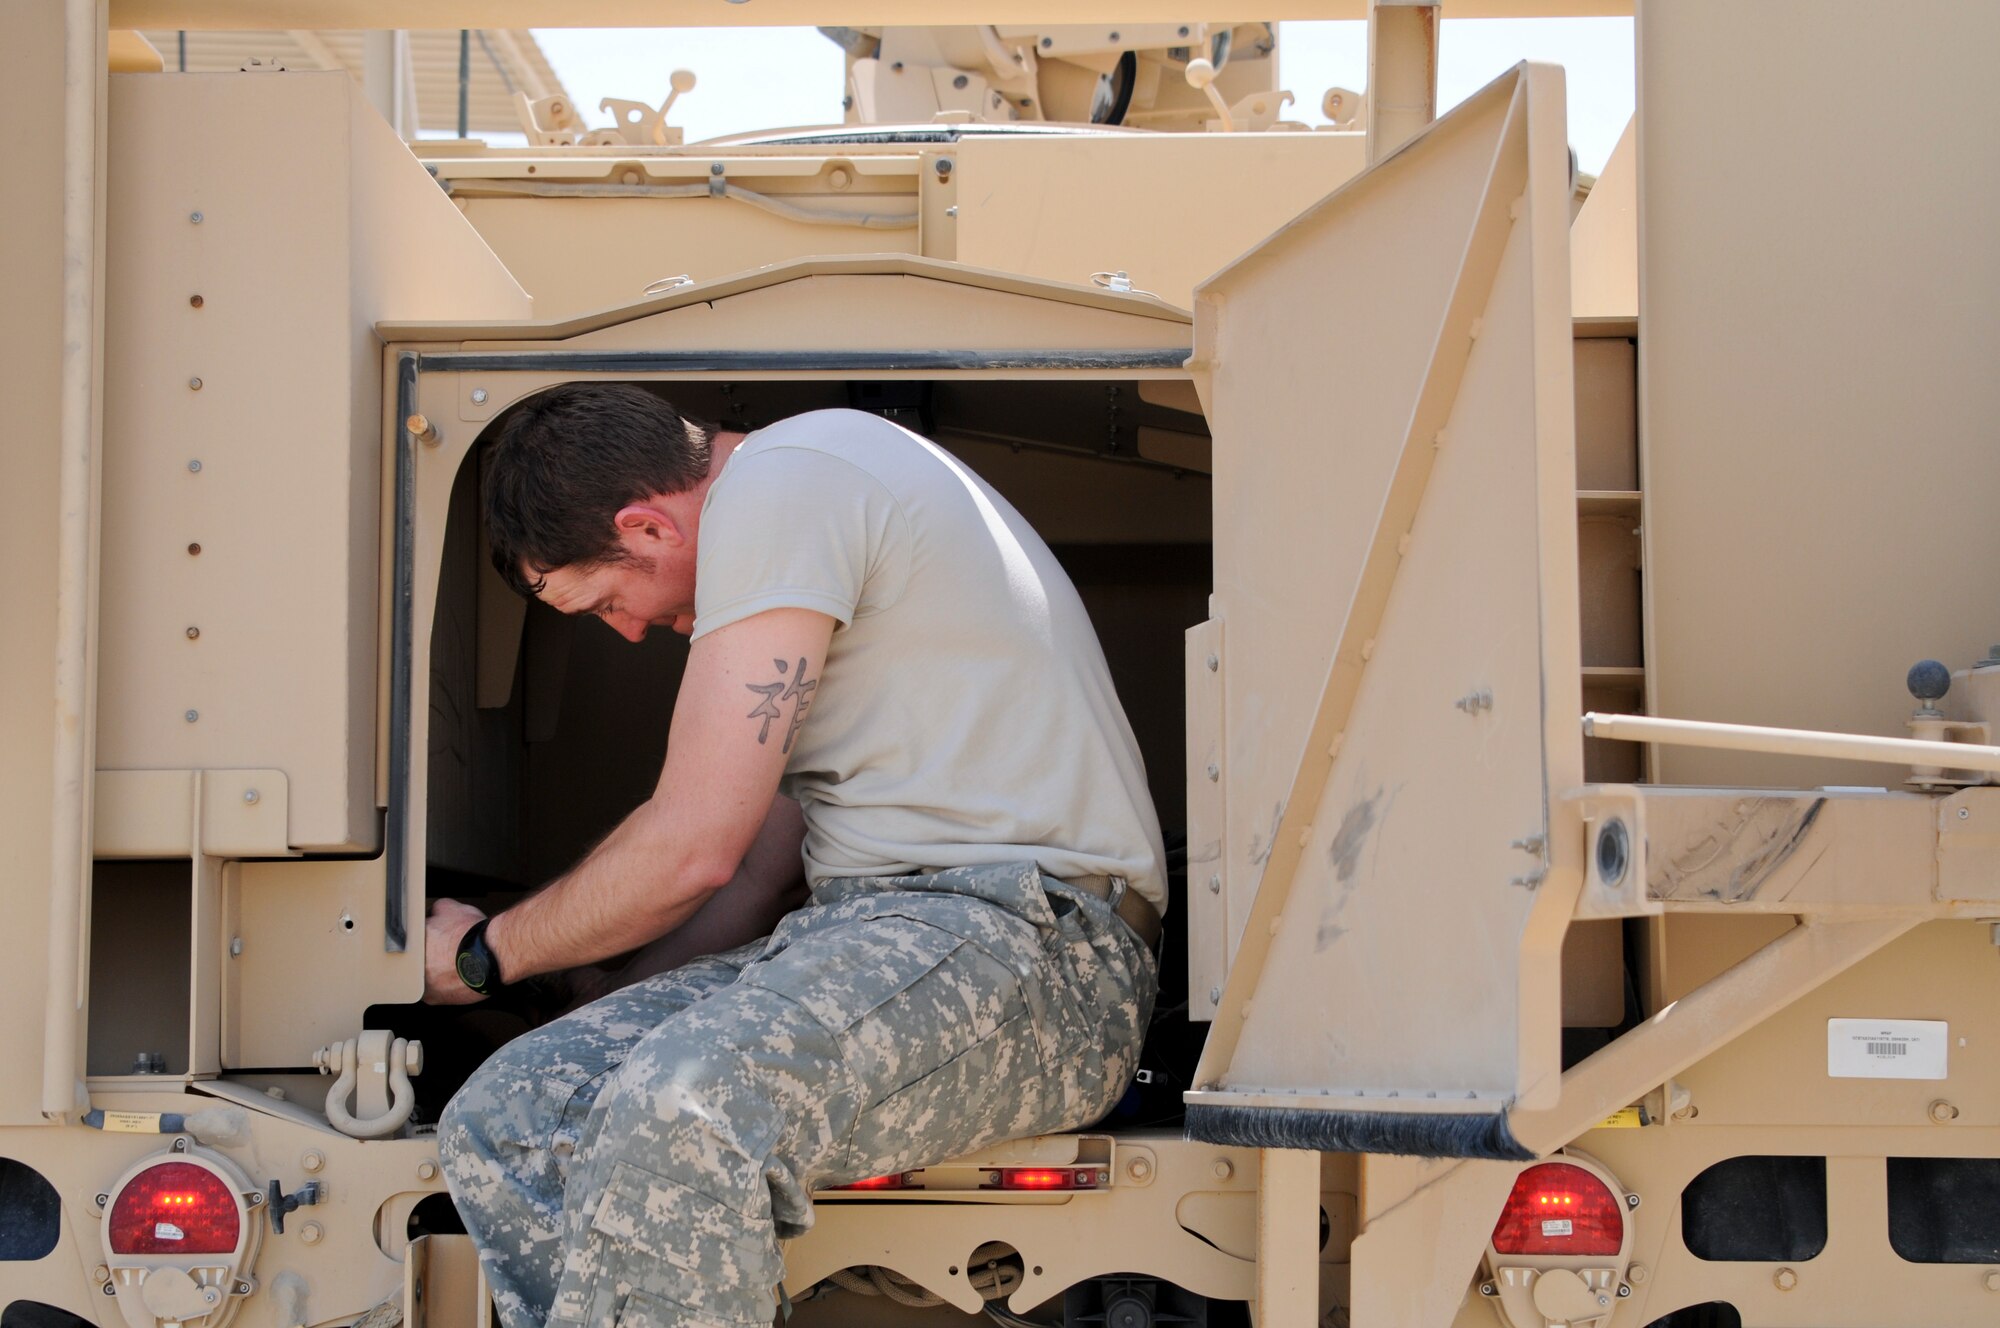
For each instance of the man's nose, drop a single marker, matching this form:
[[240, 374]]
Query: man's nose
[[631, 628]]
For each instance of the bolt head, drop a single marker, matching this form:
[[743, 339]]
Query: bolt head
[[194, 467], [1992, 1281], [1139, 1168], [427, 1171], [194, 633], [312, 1161], [1638, 1273], [1215, 883], [1965, 813], [194, 384], [1214, 662], [1223, 1168], [110, 1288], [715, 168], [191, 716], [195, 218], [1215, 995], [1784, 1279], [251, 797], [100, 1274], [478, 396], [311, 1233]]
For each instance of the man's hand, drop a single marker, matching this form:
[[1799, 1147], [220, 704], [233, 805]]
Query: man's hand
[[446, 926]]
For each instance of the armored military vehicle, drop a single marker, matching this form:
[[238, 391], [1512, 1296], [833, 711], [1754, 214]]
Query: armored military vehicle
[[1575, 920]]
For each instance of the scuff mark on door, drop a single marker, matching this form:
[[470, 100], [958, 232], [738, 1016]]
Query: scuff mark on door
[[1358, 825]]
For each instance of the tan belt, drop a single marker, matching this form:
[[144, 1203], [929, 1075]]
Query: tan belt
[[1133, 908]]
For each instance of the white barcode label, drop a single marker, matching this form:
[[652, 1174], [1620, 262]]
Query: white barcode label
[[1886, 1048], [1557, 1226]]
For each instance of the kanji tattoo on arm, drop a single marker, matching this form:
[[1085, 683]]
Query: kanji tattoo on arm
[[766, 709], [799, 690], [803, 690]]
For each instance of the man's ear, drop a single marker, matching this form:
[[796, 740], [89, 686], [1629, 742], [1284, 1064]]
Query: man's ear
[[646, 521]]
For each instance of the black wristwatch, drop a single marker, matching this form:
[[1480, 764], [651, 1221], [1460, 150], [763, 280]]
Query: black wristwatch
[[477, 967]]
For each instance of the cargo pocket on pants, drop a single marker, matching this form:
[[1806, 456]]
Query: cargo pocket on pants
[[640, 1310], [692, 1259], [990, 1090]]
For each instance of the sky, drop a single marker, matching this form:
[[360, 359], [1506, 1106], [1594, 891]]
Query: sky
[[764, 78]]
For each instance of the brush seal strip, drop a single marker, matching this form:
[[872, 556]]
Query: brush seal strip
[[1404, 1133]]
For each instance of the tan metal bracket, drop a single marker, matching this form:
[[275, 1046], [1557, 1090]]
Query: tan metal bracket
[[1715, 1013]]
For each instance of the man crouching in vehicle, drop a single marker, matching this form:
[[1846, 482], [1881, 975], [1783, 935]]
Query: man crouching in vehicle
[[890, 675]]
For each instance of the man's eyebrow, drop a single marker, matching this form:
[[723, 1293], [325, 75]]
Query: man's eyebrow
[[570, 606]]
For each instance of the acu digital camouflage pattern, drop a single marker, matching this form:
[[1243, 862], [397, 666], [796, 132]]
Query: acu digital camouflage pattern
[[637, 1162]]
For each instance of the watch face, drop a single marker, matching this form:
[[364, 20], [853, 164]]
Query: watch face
[[474, 968]]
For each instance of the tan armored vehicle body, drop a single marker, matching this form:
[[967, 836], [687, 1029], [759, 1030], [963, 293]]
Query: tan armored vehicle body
[[1575, 920]]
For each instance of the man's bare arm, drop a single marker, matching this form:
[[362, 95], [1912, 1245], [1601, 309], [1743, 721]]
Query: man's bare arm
[[748, 690], [770, 883]]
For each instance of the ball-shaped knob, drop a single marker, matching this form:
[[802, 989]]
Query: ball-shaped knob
[[681, 80], [1200, 73], [1929, 680]]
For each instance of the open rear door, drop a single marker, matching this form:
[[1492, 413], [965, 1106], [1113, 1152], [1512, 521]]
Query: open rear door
[[1387, 695]]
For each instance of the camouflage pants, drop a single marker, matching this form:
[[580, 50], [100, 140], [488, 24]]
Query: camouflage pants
[[635, 1163]]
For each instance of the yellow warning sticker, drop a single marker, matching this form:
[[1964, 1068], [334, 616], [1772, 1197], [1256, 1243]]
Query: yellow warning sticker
[[1626, 1118], [131, 1122]]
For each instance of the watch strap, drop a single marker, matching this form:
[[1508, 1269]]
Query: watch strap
[[473, 946]]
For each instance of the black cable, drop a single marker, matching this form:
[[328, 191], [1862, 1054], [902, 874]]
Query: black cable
[[1122, 82]]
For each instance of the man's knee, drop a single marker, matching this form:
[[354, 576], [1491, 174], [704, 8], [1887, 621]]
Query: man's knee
[[473, 1123], [708, 1108], [510, 1105]]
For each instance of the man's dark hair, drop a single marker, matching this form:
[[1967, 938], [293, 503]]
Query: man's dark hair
[[562, 464]]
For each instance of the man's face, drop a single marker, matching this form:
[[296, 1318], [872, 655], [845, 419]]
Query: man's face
[[631, 597], [651, 586]]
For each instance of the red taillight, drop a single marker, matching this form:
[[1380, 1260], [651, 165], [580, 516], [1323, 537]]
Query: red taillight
[[894, 1181], [175, 1208], [1046, 1178], [1557, 1208]]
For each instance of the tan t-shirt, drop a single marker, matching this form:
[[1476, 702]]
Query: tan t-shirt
[[965, 714]]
